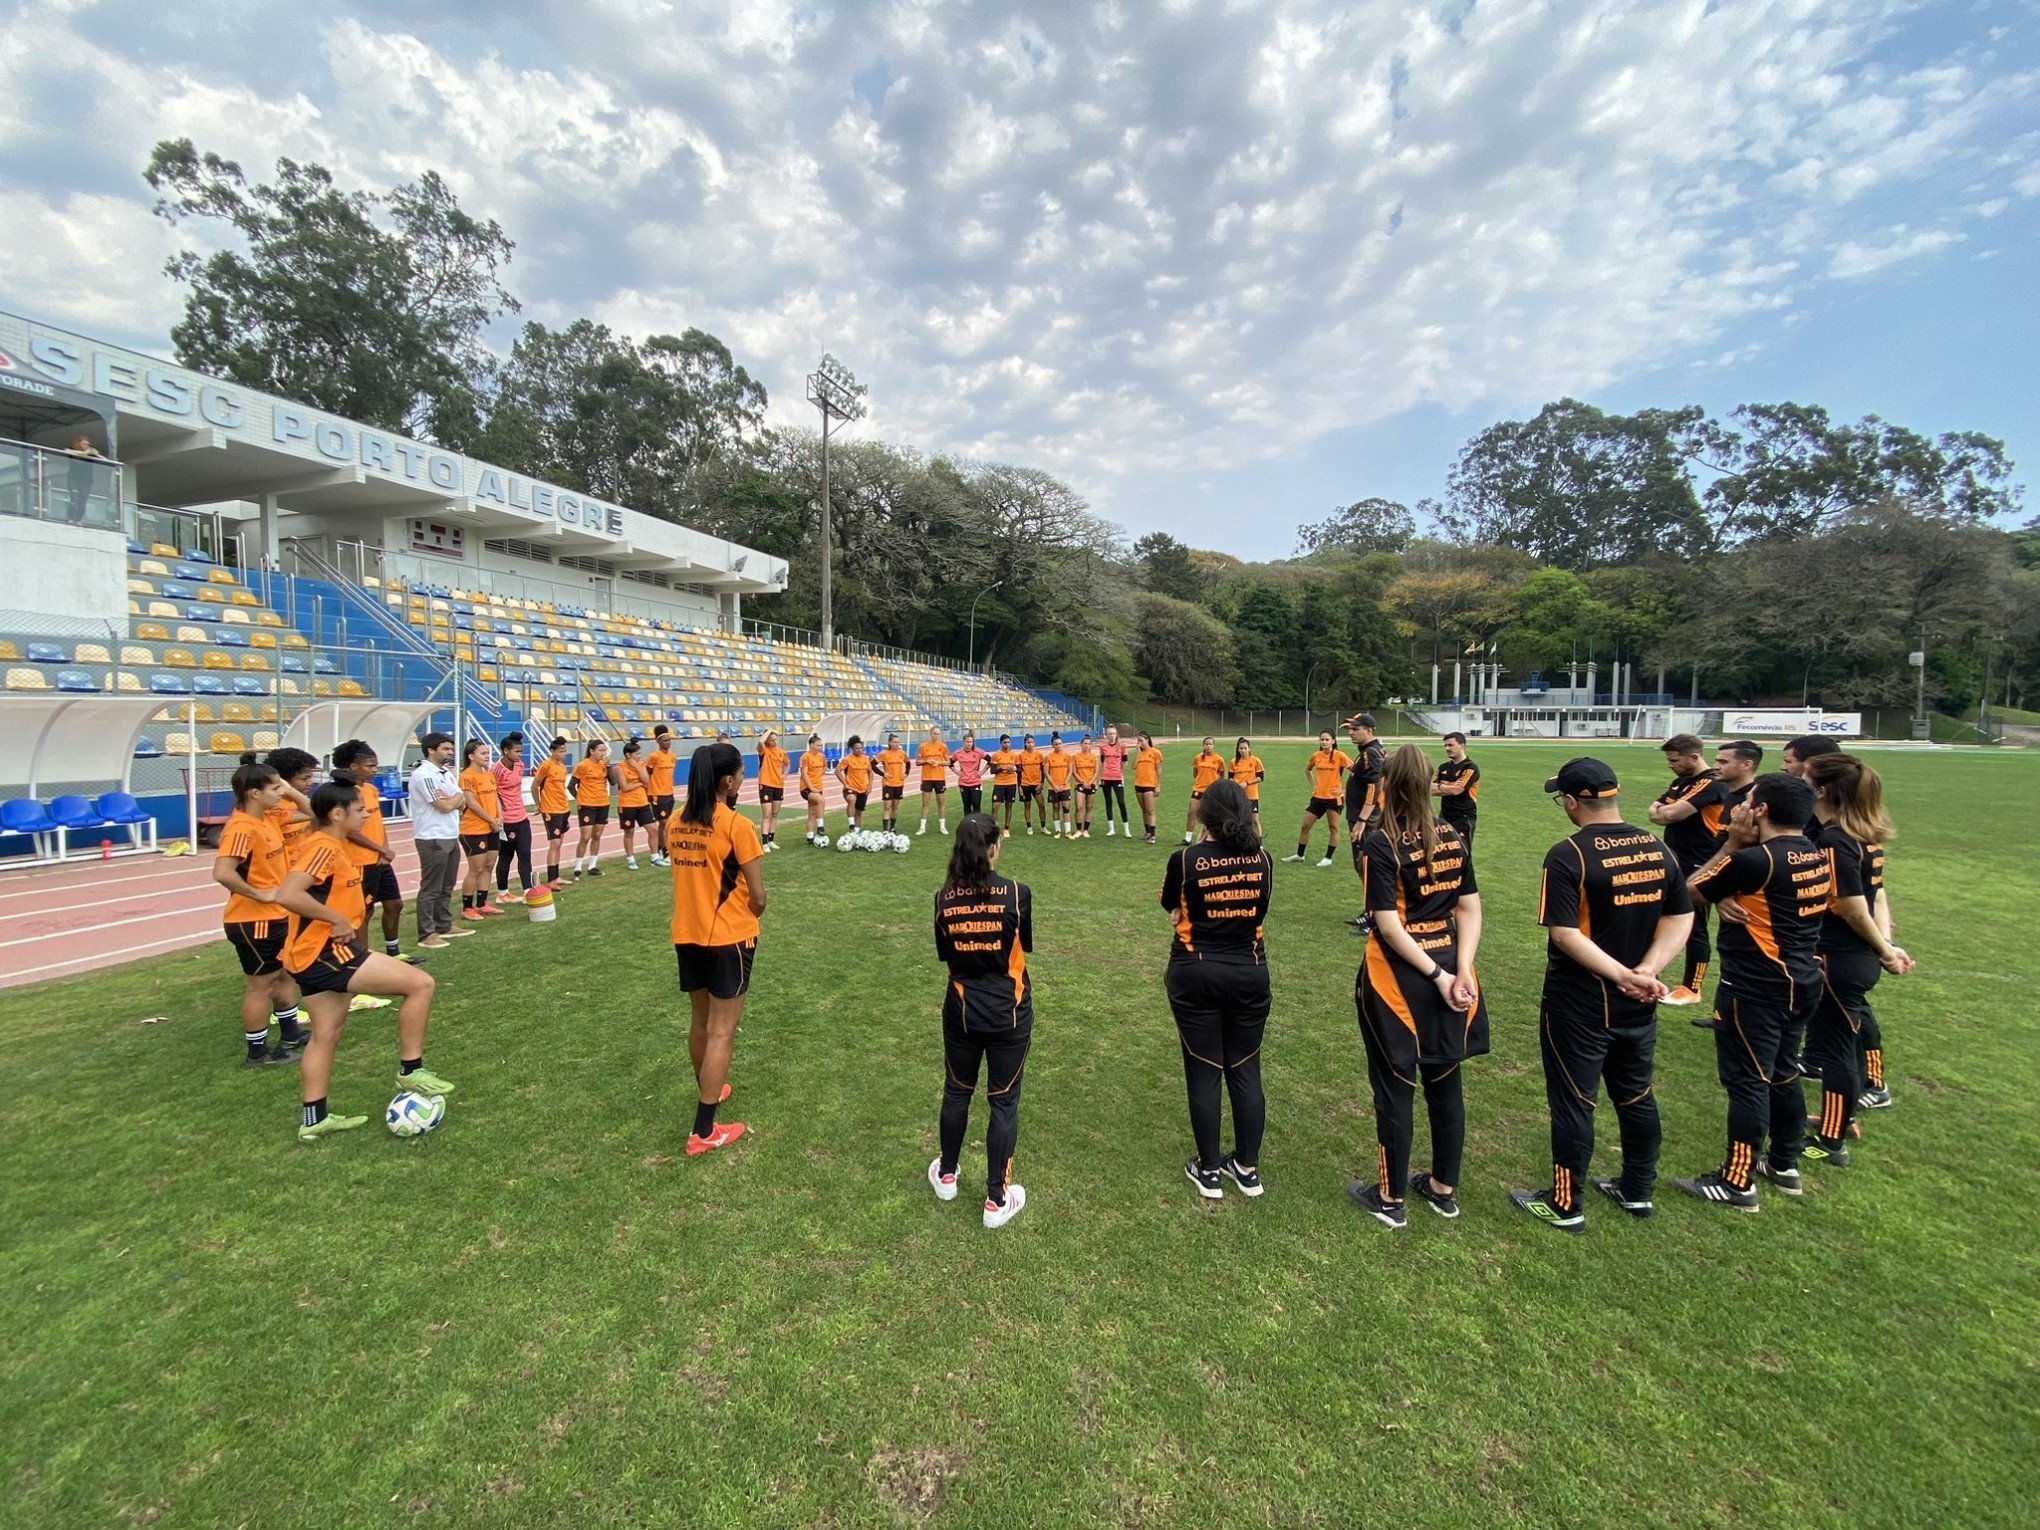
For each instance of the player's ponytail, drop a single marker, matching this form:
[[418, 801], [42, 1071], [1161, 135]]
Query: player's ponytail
[[1228, 817], [970, 854], [1854, 793], [1406, 798], [705, 774], [331, 797], [250, 779]]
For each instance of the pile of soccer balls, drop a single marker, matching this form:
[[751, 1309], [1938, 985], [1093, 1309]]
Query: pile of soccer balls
[[873, 840]]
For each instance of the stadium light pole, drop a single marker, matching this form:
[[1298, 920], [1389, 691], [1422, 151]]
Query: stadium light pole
[[971, 662], [840, 396]]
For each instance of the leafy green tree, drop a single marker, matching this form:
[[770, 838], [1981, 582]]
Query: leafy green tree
[[1371, 525], [1185, 652], [1168, 568]]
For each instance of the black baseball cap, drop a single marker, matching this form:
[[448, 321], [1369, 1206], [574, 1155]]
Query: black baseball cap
[[1585, 778], [1360, 720]]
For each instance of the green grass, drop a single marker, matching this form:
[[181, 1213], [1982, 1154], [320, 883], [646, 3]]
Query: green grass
[[544, 1314]]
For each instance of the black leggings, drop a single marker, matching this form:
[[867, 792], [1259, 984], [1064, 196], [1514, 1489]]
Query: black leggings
[[1834, 1038], [1697, 949], [1221, 1015], [973, 799], [1114, 791], [963, 1050], [515, 845], [1394, 1118]]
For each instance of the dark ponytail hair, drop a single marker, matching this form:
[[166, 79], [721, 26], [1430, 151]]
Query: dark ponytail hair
[[1229, 818], [251, 778], [970, 853], [332, 796], [288, 762], [705, 771], [467, 750]]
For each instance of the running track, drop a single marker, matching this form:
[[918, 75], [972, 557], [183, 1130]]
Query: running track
[[59, 921]]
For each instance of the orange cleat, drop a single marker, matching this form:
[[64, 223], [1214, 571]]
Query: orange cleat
[[724, 1134], [471, 916], [1682, 995]]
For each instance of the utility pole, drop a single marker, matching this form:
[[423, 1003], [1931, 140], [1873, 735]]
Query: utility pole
[[840, 396]]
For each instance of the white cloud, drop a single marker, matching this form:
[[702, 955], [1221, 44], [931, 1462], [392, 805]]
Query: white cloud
[[1895, 247]]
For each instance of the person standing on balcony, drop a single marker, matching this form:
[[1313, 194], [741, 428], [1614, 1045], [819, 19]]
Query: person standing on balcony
[[78, 477]]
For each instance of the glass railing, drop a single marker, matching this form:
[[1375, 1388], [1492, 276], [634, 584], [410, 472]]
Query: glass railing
[[49, 485]]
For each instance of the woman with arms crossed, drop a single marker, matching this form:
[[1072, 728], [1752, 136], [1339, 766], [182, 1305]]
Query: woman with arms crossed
[[1147, 784], [481, 830]]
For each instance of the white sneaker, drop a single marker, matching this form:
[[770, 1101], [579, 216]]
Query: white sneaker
[[922, 830], [1111, 828], [944, 1185], [1287, 858], [942, 827], [1325, 862], [999, 1216], [660, 860], [1030, 831], [630, 863]]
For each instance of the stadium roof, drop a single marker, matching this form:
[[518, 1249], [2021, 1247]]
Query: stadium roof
[[188, 439]]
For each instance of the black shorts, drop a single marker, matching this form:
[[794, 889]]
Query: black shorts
[[637, 817], [259, 944], [1004, 793], [593, 817], [1321, 807], [1030, 794], [937, 787], [379, 883], [892, 793], [478, 844], [556, 825], [1086, 791], [662, 809], [771, 794], [1058, 797], [854, 801], [333, 968], [725, 971]]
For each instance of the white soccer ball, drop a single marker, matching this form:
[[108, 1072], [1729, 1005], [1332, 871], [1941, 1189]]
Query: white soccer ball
[[847, 842], [413, 1115], [901, 844], [821, 841], [876, 840]]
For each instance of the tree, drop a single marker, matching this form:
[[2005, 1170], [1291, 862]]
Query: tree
[[1185, 652], [1266, 637], [368, 306], [1168, 567], [1557, 618], [1365, 526]]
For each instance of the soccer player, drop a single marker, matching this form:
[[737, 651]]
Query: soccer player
[[1770, 984], [591, 806], [354, 761], [1112, 780], [292, 815], [1005, 781], [984, 930], [661, 763], [323, 896], [1247, 774], [251, 866], [1030, 784], [633, 781], [1324, 770], [1855, 946], [854, 771], [718, 896], [814, 771], [1456, 784], [1056, 767], [771, 788], [509, 773], [1218, 891], [1800, 750], [481, 826], [1614, 904], [1147, 783], [1693, 811], [970, 762], [1422, 1013], [892, 774], [934, 761], [549, 787], [1084, 776], [1209, 766]]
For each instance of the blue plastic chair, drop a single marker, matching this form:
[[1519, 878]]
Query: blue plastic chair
[[27, 817], [163, 683], [174, 592], [76, 680], [249, 685], [209, 685], [186, 571], [291, 664], [201, 613], [148, 749], [199, 555], [119, 807], [231, 637], [137, 549], [72, 812], [47, 653], [326, 664]]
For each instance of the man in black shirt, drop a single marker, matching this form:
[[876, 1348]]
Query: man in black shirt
[[1363, 790], [1693, 812], [1456, 785], [1615, 904]]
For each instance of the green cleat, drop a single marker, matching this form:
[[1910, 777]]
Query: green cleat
[[422, 1082], [330, 1125]]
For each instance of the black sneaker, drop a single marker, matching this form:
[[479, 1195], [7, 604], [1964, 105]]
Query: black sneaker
[[1209, 1182], [1612, 1188], [1541, 1206], [1422, 1185], [1874, 1099], [1705, 1023], [298, 1042], [594, 871], [1247, 1181], [1836, 1157], [1717, 1191], [1787, 1180], [1389, 1214], [272, 1058]]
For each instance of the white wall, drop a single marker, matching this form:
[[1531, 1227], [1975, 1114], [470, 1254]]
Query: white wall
[[67, 572]]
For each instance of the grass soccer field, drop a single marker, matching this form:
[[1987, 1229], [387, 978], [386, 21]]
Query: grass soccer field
[[546, 1314]]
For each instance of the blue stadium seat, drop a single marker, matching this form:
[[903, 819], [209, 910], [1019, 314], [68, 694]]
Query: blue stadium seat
[[326, 664], [148, 749], [293, 664], [175, 592], [209, 685], [120, 808], [47, 653], [72, 812], [76, 680], [137, 549], [199, 555], [248, 685], [201, 613], [230, 637], [163, 683], [188, 571]]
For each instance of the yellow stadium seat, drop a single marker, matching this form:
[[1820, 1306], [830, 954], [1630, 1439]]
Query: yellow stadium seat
[[154, 632], [190, 634], [370, 582], [237, 712], [221, 576], [269, 711], [127, 680], [26, 679], [140, 587], [254, 663], [9, 651], [322, 688], [352, 689], [243, 598], [268, 619], [164, 610], [135, 653], [418, 618], [179, 658], [265, 740], [289, 687], [198, 712], [151, 569], [229, 743], [218, 658], [234, 616], [134, 608], [91, 653], [260, 638], [177, 743], [163, 550], [209, 595], [295, 640]]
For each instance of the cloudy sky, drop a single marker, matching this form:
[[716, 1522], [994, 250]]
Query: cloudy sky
[[1223, 266]]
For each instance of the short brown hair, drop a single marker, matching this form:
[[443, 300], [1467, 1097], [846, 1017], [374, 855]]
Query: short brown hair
[[1684, 743]]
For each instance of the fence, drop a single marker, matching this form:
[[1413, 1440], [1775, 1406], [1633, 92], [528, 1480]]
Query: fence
[[1225, 723], [42, 484]]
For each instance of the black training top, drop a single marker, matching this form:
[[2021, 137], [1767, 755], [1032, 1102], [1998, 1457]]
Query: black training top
[[983, 935], [1694, 839], [1783, 886], [1612, 882], [1363, 786], [1858, 871], [1219, 899], [1460, 807]]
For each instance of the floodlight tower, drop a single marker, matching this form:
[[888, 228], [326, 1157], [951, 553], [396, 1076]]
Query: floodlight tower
[[840, 396]]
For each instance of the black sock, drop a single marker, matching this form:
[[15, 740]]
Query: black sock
[[287, 1023], [393, 947], [315, 1111], [482, 898], [258, 1041], [704, 1119], [407, 1067], [1302, 846], [467, 900]]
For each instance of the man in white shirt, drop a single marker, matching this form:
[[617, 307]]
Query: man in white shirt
[[436, 800]]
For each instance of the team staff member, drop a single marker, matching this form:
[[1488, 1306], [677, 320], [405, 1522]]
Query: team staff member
[[1218, 891], [516, 847], [970, 762], [1112, 779], [718, 895], [933, 757], [323, 896], [1324, 770], [1056, 766], [1363, 791], [436, 800], [354, 761], [984, 930], [892, 773], [1422, 1013], [591, 807], [1799, 751], [854, 771], [1456, 784], [1693, 811], [1247, 774], [1855, 943], [481, 828], [1616, 909], [662, 762], [1770, 984], [1084, 776], [1030, 784], [1147, 783], [251, 866], [1209, 766], [633, 781], [814, 771], [771, 788], [549, 788], [1005, 781]]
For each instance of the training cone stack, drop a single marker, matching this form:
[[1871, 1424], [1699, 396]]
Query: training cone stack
[[540, 903]]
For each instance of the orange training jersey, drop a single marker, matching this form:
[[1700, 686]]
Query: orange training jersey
[[336, 882], [256, 846], [659, 767], [1086, 768], [1249, 773], [1057, 768], [1325, 770], [1204, 770], [772, 767], [291, 827], [856, 769], [1147, 770], [550, 780], [591, 784], [1030, 767], [711, 906], [634, 784], [372, 826], [934, 763], [1005, 768], [482, 786], [892, 766], [814, 768]]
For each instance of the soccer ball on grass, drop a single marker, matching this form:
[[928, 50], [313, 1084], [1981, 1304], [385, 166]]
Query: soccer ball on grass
[[413, 1115]]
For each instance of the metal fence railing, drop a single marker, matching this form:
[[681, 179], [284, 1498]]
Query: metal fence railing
[[69, 487]]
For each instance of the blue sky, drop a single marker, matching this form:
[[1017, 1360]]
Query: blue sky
[[1221, 266]]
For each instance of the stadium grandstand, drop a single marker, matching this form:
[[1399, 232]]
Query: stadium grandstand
[[194, 569]]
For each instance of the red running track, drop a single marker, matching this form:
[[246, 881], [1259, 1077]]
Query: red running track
[[59, 921]]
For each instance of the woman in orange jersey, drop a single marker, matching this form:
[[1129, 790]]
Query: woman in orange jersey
[[1248, 773], [1056, 766], [355, 761], [892, 780], [322, 894], [1084, 779], [1325, 771], [718, 894], [1005, 781], [933, 757], [771, 787], [633, 781], [591, 807], [662, 762], [1421, 1009], [292, 814], [481, 829], [549, 788], [814, 775], [1147, 781], [854, 771], [251, 866], [1209, 766], [1030, 784]]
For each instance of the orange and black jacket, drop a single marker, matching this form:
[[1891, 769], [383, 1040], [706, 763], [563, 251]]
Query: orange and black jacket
[[1219, 899], [1363, 786], [983, 935], [1782, 885], [1613, 883], [1695, 839], [1858, 872], [1459, 807]]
